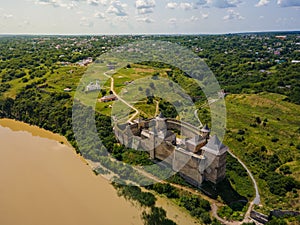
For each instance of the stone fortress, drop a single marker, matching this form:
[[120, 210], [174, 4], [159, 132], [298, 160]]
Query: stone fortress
[[195, 154]]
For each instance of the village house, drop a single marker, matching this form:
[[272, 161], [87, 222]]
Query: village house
[[108, 98], [93, 86]]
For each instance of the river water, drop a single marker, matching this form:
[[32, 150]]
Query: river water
[[44, 182]]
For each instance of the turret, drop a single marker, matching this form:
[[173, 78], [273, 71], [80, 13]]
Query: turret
[[205, 131], [215, 153]]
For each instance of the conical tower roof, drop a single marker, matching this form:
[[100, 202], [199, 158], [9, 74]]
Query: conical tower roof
[[215, 146], [205, 129], [161, 115]]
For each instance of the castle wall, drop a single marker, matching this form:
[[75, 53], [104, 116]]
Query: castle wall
[[195, 148], [148, 145], [135, 129], [185, 129], [216, 171], [163, 151], [119, 135], [188, 167], [136, 143]]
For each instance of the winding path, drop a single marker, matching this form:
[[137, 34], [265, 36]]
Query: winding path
[[256, 200], [120, 99]]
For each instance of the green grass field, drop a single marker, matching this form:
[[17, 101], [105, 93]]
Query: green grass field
[[278, 132]]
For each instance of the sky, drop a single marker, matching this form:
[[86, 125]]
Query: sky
[[147, 16]]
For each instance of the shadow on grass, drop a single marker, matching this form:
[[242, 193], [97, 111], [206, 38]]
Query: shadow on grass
[[226, 192]]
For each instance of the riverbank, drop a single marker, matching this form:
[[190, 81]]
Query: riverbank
[[15, 125], [36, 131]]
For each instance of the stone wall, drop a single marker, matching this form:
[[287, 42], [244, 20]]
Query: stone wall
[[216, 167], [282, 213], [259, 217], [188, 167], [164, 152], [186, 129]]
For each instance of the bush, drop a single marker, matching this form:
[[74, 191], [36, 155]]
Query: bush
[[205, 217], [241, 132], [135, 193], [157, 216], [276, 221], [285, 169]]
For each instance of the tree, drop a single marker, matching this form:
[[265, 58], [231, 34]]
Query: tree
[[103, 92], [157, 216], [276, 221]]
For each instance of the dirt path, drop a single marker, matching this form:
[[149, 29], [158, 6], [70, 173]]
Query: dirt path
[[120, 99], [256, 200]]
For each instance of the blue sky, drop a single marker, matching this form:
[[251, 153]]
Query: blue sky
[[147, 16]]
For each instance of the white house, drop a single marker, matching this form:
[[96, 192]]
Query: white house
[[93, 87]]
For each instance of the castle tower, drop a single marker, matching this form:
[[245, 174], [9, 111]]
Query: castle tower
[[161, 126], [205, 131], [160, 122], [215, 154]]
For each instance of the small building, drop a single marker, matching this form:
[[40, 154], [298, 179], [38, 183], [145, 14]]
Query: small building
[[93, 86], [222, 94], [295, 61], [67, 89], [108, 98], [85, 62], [281, 37]]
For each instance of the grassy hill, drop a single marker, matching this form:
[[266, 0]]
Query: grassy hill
[[264, 131]]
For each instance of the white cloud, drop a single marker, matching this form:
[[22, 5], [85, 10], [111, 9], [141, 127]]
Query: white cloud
[[201, 2], [47, 2], [223, 3], [196, 19], [288, 3], [97, 2], [204, 16], [193, 19], [117, 8], [186, 6], [145, 20], [172, 5], [233, 15], [99, 15], [57, 3], [182, 5], [8, 16], [262, 3], [145, 10], [25, 23], [85, 22], [145, 6], [172, 21]]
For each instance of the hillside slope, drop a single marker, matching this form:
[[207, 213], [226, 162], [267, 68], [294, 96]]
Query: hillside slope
[[264, 131]]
